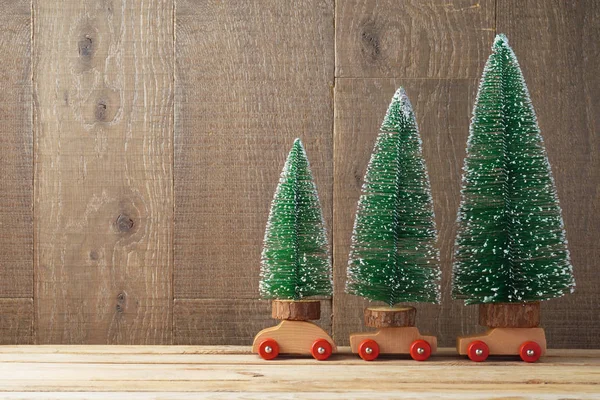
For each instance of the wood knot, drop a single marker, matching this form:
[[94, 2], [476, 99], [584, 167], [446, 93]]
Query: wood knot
[[121, 299], [358, 179], [85, 46], [103, 107], [371, 46], [100, 112], [93, 255], [124, 223]]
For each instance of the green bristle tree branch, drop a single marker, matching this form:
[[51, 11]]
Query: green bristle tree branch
[[393, 255], [511, 245], [295, 259]]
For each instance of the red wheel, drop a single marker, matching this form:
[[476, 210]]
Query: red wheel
[[530, 352], [368, 350], [420, 350], [321, 349], [478, 351], [268, 349]]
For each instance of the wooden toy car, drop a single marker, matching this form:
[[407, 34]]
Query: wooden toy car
[[294, 337], [393, 340], [528, 343]]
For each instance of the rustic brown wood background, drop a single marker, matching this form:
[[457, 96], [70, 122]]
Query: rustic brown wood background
[[141, 141]]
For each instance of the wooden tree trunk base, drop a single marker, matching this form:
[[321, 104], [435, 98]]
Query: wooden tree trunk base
[[296, 310], [510, 315], [387, 317]]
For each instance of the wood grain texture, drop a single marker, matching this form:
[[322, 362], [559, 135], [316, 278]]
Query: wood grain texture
[[262, 76], [16, 321], [559, 52], [147, 372], [235, 321], [16, 151], [442, 110], [412, 39], [510, 315], [386, 317], [103, 86], [161, 395], [296, 310]]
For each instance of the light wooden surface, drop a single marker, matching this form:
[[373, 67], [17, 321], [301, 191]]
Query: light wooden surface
[[161, 127], [103, 84], [193, 372]]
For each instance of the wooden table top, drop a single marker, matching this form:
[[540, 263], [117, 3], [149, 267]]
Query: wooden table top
[[228, 372]]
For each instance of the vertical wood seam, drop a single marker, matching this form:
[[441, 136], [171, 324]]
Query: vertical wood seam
[[334, 5], [174, 64], [333, 167], [33, 173]]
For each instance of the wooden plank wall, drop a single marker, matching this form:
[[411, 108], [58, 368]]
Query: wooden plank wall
[[16, 173], [141, 142], [262, 76], [103, 87]]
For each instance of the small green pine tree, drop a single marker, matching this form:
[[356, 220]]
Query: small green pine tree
[[295, 258], [393, 255], [511, 244]]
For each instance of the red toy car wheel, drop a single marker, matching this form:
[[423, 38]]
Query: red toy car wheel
[[368, 350], [420, 350], [321, 349], [268, 349], [478, 351], [530, 352]]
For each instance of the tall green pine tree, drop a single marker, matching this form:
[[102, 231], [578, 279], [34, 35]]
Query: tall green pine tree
[[393, 255], [511, 245], [295, 258]]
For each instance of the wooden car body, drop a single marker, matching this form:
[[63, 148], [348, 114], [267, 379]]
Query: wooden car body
[[504, 341], [293, 337], [394, 340]]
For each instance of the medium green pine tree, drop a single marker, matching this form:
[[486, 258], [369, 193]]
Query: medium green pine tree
[[393, 255], [511, 244], [295, 259]]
